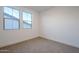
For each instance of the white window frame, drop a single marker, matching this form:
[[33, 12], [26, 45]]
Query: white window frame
[[23, 20], [11, 18]]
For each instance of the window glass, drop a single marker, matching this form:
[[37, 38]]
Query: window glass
[[27, 20], [8, 11], [16, 13]]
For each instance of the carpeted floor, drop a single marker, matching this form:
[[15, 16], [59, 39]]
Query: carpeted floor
[[40, 45]]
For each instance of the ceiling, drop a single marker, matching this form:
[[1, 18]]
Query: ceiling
[[39, 8]]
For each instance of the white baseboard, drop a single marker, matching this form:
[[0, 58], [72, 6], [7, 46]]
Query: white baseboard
[[54, 39], [5, 45]]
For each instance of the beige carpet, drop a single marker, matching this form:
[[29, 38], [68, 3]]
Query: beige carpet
[[40, 45]]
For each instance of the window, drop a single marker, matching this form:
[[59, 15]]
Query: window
[[27, 20], [11, 18]]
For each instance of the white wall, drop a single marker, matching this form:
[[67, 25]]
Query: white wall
[[8, 37], [61, 24]]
